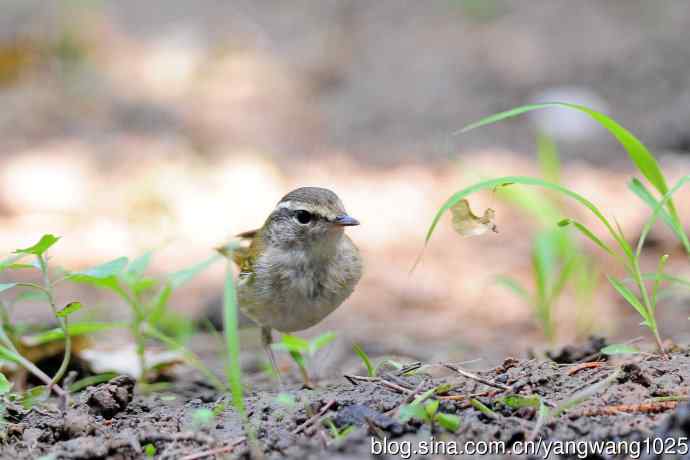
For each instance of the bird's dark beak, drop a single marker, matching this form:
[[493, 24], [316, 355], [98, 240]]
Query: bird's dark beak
[[345, 221]]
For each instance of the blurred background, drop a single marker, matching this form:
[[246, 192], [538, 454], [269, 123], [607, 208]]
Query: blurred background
[[173, 125]]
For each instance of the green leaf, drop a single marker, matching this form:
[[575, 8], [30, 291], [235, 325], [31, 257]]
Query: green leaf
[[619, 349], [359, 351], [638, 153], [410, 411], [74, 329], [150, 450], [481, 407], [292, 343], [632, 300], [91, 380], [639, 189], [232, 342], [11, 260], [588, 233], [18, 266], [70, 308], [298, 358], [544, 262], [666, 199], [657, 282], [8, 355], [549, 160], [448, 421], [519, 401], [160, 304], [320, 342], [286, 399], [6, 286], [431, 408], [106, 270], [202, 417], [42, 246], [181, 277], [5, 385], [139, 265], [143, 285], [514, 286]]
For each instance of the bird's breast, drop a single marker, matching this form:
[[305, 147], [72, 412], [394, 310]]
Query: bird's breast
[[293, 290]]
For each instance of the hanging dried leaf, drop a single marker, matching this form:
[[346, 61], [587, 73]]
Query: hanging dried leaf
[[467, 224]]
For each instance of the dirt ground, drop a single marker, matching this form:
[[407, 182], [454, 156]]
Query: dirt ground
[[628, 399]]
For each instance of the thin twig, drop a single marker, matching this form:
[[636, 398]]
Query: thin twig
[[582, 366], [477, 378], [379, 380], [219, 450], [316, 417], [644, 408]]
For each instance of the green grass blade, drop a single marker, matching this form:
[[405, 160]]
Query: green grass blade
[[544, 262], [181, 277], [74, 329], [632, 300], [638, 153], [588, 233], [639, 189], [321, 341], [514, 286], [657, 210], [509, 180], [503, 116], [657, 281], [567, 270], [665, 277], [549, 159], [359, 351], [232, 342]]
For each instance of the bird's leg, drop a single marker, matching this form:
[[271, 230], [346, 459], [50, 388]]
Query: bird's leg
[[267, 340]]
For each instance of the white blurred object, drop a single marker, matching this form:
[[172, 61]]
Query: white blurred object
[[564, 123], [52, 178]]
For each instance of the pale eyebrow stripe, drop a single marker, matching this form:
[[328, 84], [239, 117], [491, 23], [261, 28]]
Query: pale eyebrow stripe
[[286, 205], [295, 205]]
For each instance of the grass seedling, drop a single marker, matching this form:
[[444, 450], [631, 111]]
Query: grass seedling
[[338, 434], [557, 258], [148, 299], [428, 412], [10, 343], [231, 333], [374, 370], [303, 351], [629, 257], [359, 351]]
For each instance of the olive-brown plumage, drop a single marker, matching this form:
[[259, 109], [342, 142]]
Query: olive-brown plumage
[[299, 266]]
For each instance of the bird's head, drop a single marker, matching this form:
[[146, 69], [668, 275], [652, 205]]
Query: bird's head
[[307, 216]]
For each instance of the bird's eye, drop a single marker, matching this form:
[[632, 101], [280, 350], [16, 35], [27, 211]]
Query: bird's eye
[[303, 217]]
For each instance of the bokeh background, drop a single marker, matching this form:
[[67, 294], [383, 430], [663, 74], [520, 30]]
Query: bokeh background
[[170, 124]]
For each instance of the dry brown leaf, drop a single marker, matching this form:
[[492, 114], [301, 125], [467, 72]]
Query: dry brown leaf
[[467, 224]]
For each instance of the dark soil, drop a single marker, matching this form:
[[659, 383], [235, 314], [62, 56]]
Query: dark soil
[[113, 421]]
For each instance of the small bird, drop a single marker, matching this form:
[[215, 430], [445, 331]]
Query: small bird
[[299, 266]]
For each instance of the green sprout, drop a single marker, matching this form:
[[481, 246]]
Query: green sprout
[[374, 370], [338, 434], [149, 450], [148, 299], [642, 301], [428, 412], [9, 339], [303, 351]]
